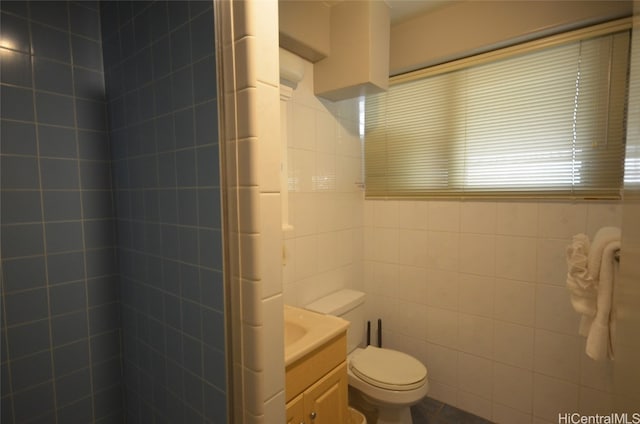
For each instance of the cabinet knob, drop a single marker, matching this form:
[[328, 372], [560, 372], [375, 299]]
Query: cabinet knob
[[313, 415]]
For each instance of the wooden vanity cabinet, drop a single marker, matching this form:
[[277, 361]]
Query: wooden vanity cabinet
[[317, 386]]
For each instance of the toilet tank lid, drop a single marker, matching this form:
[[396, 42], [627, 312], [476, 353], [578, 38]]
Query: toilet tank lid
[[337, 303]]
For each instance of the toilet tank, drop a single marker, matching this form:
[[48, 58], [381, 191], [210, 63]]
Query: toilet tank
[[349, 305]]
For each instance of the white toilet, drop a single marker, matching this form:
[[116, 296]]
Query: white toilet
[[387, 380]]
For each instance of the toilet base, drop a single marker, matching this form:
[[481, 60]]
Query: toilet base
[[377, 413], [390, 415]]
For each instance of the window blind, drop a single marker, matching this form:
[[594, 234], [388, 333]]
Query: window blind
[[544, 120]]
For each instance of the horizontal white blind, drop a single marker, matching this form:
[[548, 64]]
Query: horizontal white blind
[[547, 123]]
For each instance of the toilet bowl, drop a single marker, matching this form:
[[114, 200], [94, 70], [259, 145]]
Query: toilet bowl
[[382, 380]]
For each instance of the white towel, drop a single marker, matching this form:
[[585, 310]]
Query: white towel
[[590, 280]]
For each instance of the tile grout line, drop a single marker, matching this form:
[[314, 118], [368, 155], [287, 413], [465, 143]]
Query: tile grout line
[[42, 212]]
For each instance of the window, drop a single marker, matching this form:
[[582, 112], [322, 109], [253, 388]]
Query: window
[[542, 119]]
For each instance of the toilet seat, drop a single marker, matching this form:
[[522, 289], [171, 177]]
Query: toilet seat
[[388, 369]]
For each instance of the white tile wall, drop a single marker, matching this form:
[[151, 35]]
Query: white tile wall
[[324, 249], [473, 289], [501, 336], [254, 237]]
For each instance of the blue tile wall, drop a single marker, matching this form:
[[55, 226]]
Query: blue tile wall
[[160, 76], [60, 360]]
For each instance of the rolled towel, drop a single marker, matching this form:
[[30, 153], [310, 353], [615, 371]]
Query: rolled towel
[[579, 282], [599, 340]]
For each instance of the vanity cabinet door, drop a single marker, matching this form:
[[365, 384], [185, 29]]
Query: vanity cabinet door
[[295, 410], [326, 401]]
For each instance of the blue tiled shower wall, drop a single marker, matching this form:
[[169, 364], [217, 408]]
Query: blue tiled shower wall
[[111, 244], [61, 359], [160, 75]]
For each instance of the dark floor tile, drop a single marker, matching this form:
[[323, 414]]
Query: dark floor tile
[[431, 411], [452, 415]]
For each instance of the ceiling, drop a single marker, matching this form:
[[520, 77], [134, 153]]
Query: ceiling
[[402, 10]]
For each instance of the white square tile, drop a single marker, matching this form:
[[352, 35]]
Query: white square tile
[[413, 214], [289, 264], [411, 346], [349, 142], [443, 250], [268, 126], [385, 213], [478, 217], [475, 375], [328, 211], [274, 409], [558, 355], [244, 19], [253, 346], [554, 311], [596, 374], [513, 344], [505, 415], [271, 255], [252, 313], [477, 254], [513, 387], [594, 402], [562, 220], [246, 62], [250, 251], [328, 256], [552, 397], [348, 173], [303, 213], [516, 258], [303, 128], [385, 276], [326, 132], [444, 216], [253, 399], [385, 244], [476, 295], [304, 169], [306, 257], [475, 404], [412, 247], [344, 247], [515, 302], [444, 393], [368, 241], [412, 320], [247, 113], [603, 214], [368, 212], [552, 265], [442, 327], [412, 284], [266, 32], [517, 218], [249, 418], [442, 365], [442, 289], [475, 335], [325, 176], [248, 218], [245, 152], [273, 353]]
